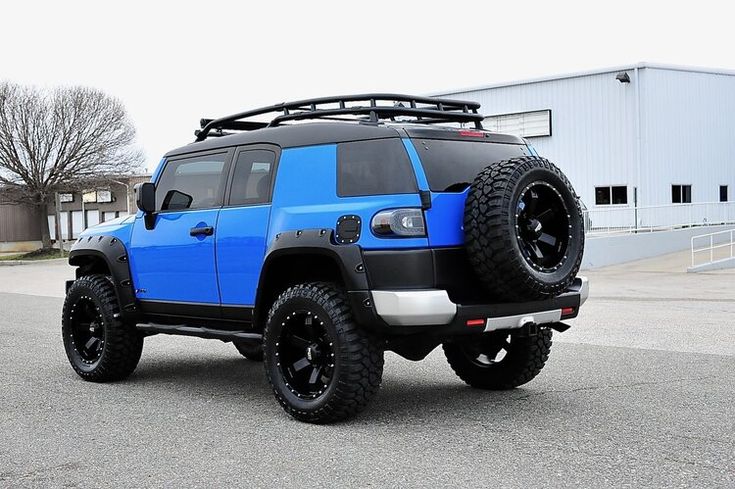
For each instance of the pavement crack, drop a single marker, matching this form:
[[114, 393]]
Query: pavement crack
[[634, 384]]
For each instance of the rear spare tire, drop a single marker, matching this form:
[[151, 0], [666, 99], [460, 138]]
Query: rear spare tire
[[523, 229]]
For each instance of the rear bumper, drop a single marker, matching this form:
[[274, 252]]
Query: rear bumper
[[409, 309]]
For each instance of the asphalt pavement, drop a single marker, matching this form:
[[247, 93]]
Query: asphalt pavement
[[639, 393]]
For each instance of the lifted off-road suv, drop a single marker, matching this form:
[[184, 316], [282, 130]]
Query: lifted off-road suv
[[340, 228]]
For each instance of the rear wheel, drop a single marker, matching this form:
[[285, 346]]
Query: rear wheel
[[99, 345], [499, 360], [321, 365]]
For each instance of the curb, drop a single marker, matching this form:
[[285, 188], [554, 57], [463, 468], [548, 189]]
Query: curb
[[13, 263]]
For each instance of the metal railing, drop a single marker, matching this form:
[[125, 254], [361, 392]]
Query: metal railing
[[717, 241], [629, 220]]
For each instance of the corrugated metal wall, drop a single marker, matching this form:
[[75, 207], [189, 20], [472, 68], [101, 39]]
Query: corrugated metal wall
[[593, 126], [688, 134], [687, 130], [19, 223]]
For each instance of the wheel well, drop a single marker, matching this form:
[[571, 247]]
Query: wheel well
[[90, 265], [288, 270]]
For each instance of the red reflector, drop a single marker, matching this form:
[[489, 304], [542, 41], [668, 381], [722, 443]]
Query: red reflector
[[475, 322], [567, 311], [472, 134]]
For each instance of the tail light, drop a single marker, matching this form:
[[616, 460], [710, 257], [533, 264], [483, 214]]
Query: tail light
[[401, 223]]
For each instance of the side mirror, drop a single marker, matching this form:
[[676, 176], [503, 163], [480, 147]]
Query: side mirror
[[145, 197]]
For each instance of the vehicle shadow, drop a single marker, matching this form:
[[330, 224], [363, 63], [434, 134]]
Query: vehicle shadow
[[400, 399]]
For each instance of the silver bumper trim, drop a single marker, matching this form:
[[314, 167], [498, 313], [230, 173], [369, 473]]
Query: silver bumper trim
[[431, 307], [414, 307], [520, 320], [584, 290]]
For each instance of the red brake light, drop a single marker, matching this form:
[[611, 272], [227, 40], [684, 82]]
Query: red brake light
[[567, 311], [472, 134], [475, 322]]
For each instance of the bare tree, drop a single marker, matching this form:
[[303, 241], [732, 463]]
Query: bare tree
[[64, 139]]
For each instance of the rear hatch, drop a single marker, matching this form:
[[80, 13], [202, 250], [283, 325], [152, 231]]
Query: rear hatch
[[451, 159]]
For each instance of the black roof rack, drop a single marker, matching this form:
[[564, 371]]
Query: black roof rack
[[372, 107]]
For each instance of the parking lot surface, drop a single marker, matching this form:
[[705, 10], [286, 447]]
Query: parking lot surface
[[639, 393]]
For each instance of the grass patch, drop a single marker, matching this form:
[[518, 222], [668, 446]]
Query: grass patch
[[34, 255]]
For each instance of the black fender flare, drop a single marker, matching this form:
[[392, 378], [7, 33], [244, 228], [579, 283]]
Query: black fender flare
[[113, 253], [348, 258], [318, 242]]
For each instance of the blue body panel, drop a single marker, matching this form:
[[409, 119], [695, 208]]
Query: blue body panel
[[418, 169], [444, 221], [120, 228], [305, 197], [240, 237], [168, 264]]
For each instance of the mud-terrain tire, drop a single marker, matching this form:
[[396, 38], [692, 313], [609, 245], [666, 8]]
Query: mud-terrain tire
[[480, 365], [99, 345], [310, 329], [250, 350], [524, 229]]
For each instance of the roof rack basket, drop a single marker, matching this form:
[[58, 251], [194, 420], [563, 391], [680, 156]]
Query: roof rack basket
[[370, 108]]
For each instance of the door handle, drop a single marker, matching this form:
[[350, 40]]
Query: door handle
[[204, 230]]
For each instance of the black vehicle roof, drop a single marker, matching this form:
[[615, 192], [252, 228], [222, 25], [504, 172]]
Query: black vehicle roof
[[314, 133]]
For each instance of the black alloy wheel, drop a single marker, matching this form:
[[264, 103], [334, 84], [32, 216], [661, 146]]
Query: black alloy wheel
[[323, 366], [100, 345], [305, 354], [524, 231], [499, 360], [87, 329], [543, 226]]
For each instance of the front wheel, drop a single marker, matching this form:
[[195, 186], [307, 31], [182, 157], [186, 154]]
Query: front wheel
[[499, 360], [99, 345], [321, 365]]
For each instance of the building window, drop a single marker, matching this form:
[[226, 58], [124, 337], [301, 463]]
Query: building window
[[723, 193], [681, 194], [104, 196], [611, 195], [524, 124], [89, 197]]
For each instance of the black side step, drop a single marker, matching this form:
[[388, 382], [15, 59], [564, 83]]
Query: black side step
[[216, 334]]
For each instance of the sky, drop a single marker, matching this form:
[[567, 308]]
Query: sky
[[173, 63]]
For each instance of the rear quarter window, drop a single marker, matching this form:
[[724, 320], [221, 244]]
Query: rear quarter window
[[375, 167], [450, 164]]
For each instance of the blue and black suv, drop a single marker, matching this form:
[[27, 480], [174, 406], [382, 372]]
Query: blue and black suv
[[315, 235]]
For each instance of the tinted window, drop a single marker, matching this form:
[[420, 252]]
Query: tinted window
[[681, 194], [602, 195], [251, 182], [378, 167], [452, 165], [191, 183], [620, 195], [723, 193]]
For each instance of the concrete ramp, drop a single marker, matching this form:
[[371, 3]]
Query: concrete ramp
[[606, 250], [714, 265]]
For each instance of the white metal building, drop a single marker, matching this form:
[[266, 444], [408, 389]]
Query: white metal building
[[649, 134]]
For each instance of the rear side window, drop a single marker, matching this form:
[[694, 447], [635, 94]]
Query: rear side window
[[452, 165], [191, 183], [377, 167], [251, 183]]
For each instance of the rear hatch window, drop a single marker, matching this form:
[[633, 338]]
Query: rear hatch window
[[450, 166]]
